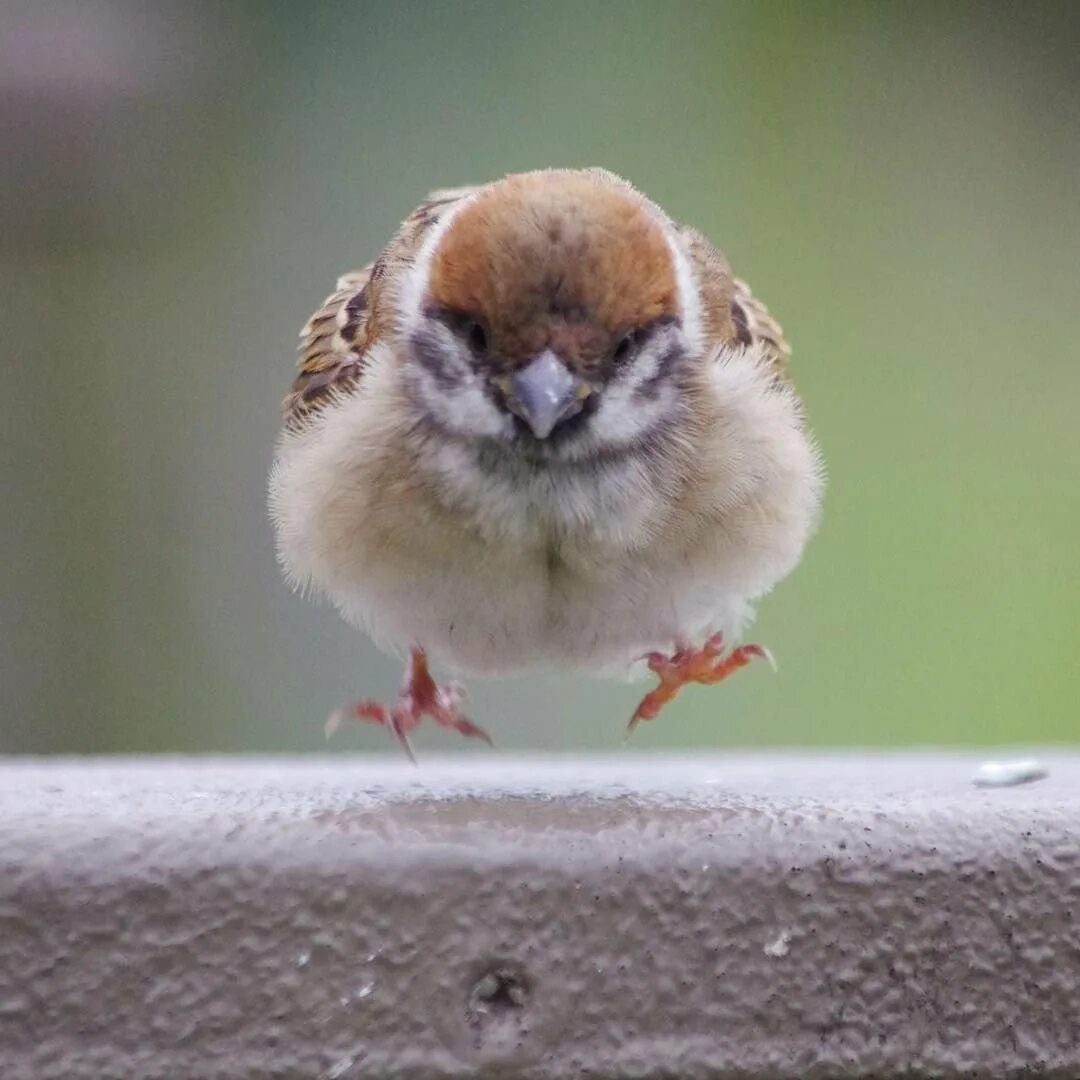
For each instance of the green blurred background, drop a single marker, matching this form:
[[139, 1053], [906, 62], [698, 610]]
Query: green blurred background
[[181, 183]]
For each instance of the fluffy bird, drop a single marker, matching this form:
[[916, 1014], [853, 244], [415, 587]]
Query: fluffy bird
[[545, 428]]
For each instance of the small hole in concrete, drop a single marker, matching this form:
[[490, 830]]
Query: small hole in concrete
[[495, 1008], [498, 990]]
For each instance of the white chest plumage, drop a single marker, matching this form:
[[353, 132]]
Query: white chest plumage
[[537, 573], [546, 427], [493, 569]]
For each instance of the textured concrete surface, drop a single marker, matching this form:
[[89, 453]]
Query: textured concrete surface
[[741, 916]]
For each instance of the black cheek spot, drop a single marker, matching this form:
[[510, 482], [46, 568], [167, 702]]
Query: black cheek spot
[[649, 389], [476, 335], [429, 352]]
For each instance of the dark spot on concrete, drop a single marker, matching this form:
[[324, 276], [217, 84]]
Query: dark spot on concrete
[[496, 1003], [501, 988]]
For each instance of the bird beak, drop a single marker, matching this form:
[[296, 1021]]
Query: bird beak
[[544, 393]]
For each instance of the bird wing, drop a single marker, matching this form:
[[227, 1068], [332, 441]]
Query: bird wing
[[335, 340], [731, 311], [331, 346], [754, 323]]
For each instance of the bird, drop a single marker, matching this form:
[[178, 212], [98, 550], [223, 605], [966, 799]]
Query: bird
[[546, 428]]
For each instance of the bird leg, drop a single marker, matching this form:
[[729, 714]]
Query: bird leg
[[687, 665], [420, 696]]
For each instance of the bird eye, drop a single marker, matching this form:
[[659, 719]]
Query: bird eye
[[623, 347], [476, 336]]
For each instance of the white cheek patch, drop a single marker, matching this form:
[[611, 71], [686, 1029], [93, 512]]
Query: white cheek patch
[[464, 409], [620, 420], [623, 414], [449, 389], [459, 400], [644, 367], [414, 287], [689, 298]]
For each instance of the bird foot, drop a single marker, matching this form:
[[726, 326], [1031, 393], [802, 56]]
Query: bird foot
[[686, 665], [420, 696]]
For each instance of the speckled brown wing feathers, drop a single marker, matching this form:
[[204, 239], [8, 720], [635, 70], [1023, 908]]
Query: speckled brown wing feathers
[[331, 346], [336, 338], [731, 311], [754, 323]]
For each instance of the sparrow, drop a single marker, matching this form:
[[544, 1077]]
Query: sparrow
[[545, 428]]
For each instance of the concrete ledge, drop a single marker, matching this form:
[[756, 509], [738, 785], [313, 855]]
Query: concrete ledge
[[738, 916]]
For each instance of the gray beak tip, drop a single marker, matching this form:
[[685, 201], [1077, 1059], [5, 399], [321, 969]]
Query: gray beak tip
[[544, 392]]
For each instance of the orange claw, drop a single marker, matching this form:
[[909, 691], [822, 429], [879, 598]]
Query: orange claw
[[687, 665], [420, 695]]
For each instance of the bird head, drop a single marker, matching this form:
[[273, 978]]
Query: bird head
[[550, 317]]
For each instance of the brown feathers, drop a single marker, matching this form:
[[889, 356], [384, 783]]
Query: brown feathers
[[334, 340], [331, 346], [569, 259], [730, 312], [753, 322], [633, 491], [558, 259]]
